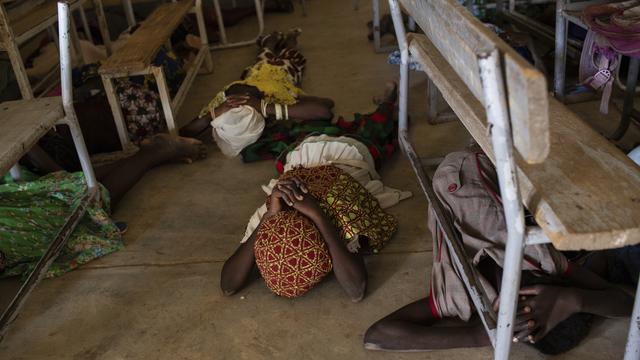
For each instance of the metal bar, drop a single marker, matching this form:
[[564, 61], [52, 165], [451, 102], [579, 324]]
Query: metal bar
[[223, 40], [15, 172], [303, 4], [64, 30], [85, 24], [560, 51], [54, 35], [497, 115], [632, 351], [116, 110], [627, 109], [75, 38], [204, 40], [165, 98], [220, 20], [102, 25], [128, 12], [376, 29], [40, 270], [467, 272], [188, 80], [11, 46]]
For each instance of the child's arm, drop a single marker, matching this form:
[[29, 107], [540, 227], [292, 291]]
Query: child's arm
[[348, 267]]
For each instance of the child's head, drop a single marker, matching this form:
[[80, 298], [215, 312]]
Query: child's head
[[291, 254]]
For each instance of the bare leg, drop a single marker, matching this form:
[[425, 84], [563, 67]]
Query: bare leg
[[412, 328], [121, 176]]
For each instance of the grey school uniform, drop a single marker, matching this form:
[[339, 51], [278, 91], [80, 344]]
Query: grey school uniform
[[466, 184]]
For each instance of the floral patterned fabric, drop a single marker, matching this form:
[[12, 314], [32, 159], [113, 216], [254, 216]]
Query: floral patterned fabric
[[353, 210], [138, 95], [32, 212], [290, 253]]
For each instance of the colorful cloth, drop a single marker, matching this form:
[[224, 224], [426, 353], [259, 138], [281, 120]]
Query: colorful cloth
[[377, 130], [138, 95], [351, 208], [31, 214], [290, 253], [277, 76]]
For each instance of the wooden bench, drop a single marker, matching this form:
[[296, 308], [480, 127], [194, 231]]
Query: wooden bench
[[582, 190], [16, 32], [137, 55], [22, 124]]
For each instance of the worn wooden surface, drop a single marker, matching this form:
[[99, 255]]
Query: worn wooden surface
[[136, 55], [460, 37], [22, 123], [585, 195]]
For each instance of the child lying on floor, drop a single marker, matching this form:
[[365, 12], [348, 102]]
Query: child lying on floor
[[559, 293], [323, 212], [32, 211], [264, 111]]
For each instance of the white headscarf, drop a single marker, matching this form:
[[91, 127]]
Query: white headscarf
[[237, 128]]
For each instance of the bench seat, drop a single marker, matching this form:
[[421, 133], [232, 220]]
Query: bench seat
[[584, 195], [22, 123], [141, 48]]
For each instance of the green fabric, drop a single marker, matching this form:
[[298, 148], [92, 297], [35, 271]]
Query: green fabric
[[32, 213]]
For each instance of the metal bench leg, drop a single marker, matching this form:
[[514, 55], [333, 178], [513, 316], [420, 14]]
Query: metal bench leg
[[66, 34], [85, 24], [303, 4], [204, 40], [497, 115], [632, 351], [75, 38], [128, 12], [560, 52], [165, 98], [116, 110], [627, 109], [102, 24], [376, 29], [14, 56], [15, 172]]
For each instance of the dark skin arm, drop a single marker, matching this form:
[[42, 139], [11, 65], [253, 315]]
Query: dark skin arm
[[237, 269], [542, 307], [307, 108], [348, 267]]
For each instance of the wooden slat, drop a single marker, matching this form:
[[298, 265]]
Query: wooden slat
[[460, 37], [585, 195], [22, 123], [141, 48]]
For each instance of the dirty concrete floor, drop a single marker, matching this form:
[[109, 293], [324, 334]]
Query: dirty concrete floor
[[160, 298]]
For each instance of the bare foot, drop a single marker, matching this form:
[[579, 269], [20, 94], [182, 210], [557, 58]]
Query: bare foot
[[175, 148], [390, 94]]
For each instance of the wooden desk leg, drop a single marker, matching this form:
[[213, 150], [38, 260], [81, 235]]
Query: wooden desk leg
[[165, 98], [116, 110]]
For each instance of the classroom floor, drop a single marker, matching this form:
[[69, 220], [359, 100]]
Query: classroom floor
[[160, 297]]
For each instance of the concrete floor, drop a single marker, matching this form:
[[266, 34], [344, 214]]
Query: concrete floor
[[160, 299]]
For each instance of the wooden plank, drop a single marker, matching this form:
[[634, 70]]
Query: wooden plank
[[585, 195], [459, 37], [136, 55], [22, 123]]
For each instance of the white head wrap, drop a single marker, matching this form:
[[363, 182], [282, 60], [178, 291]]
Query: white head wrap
[[237, 128]]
